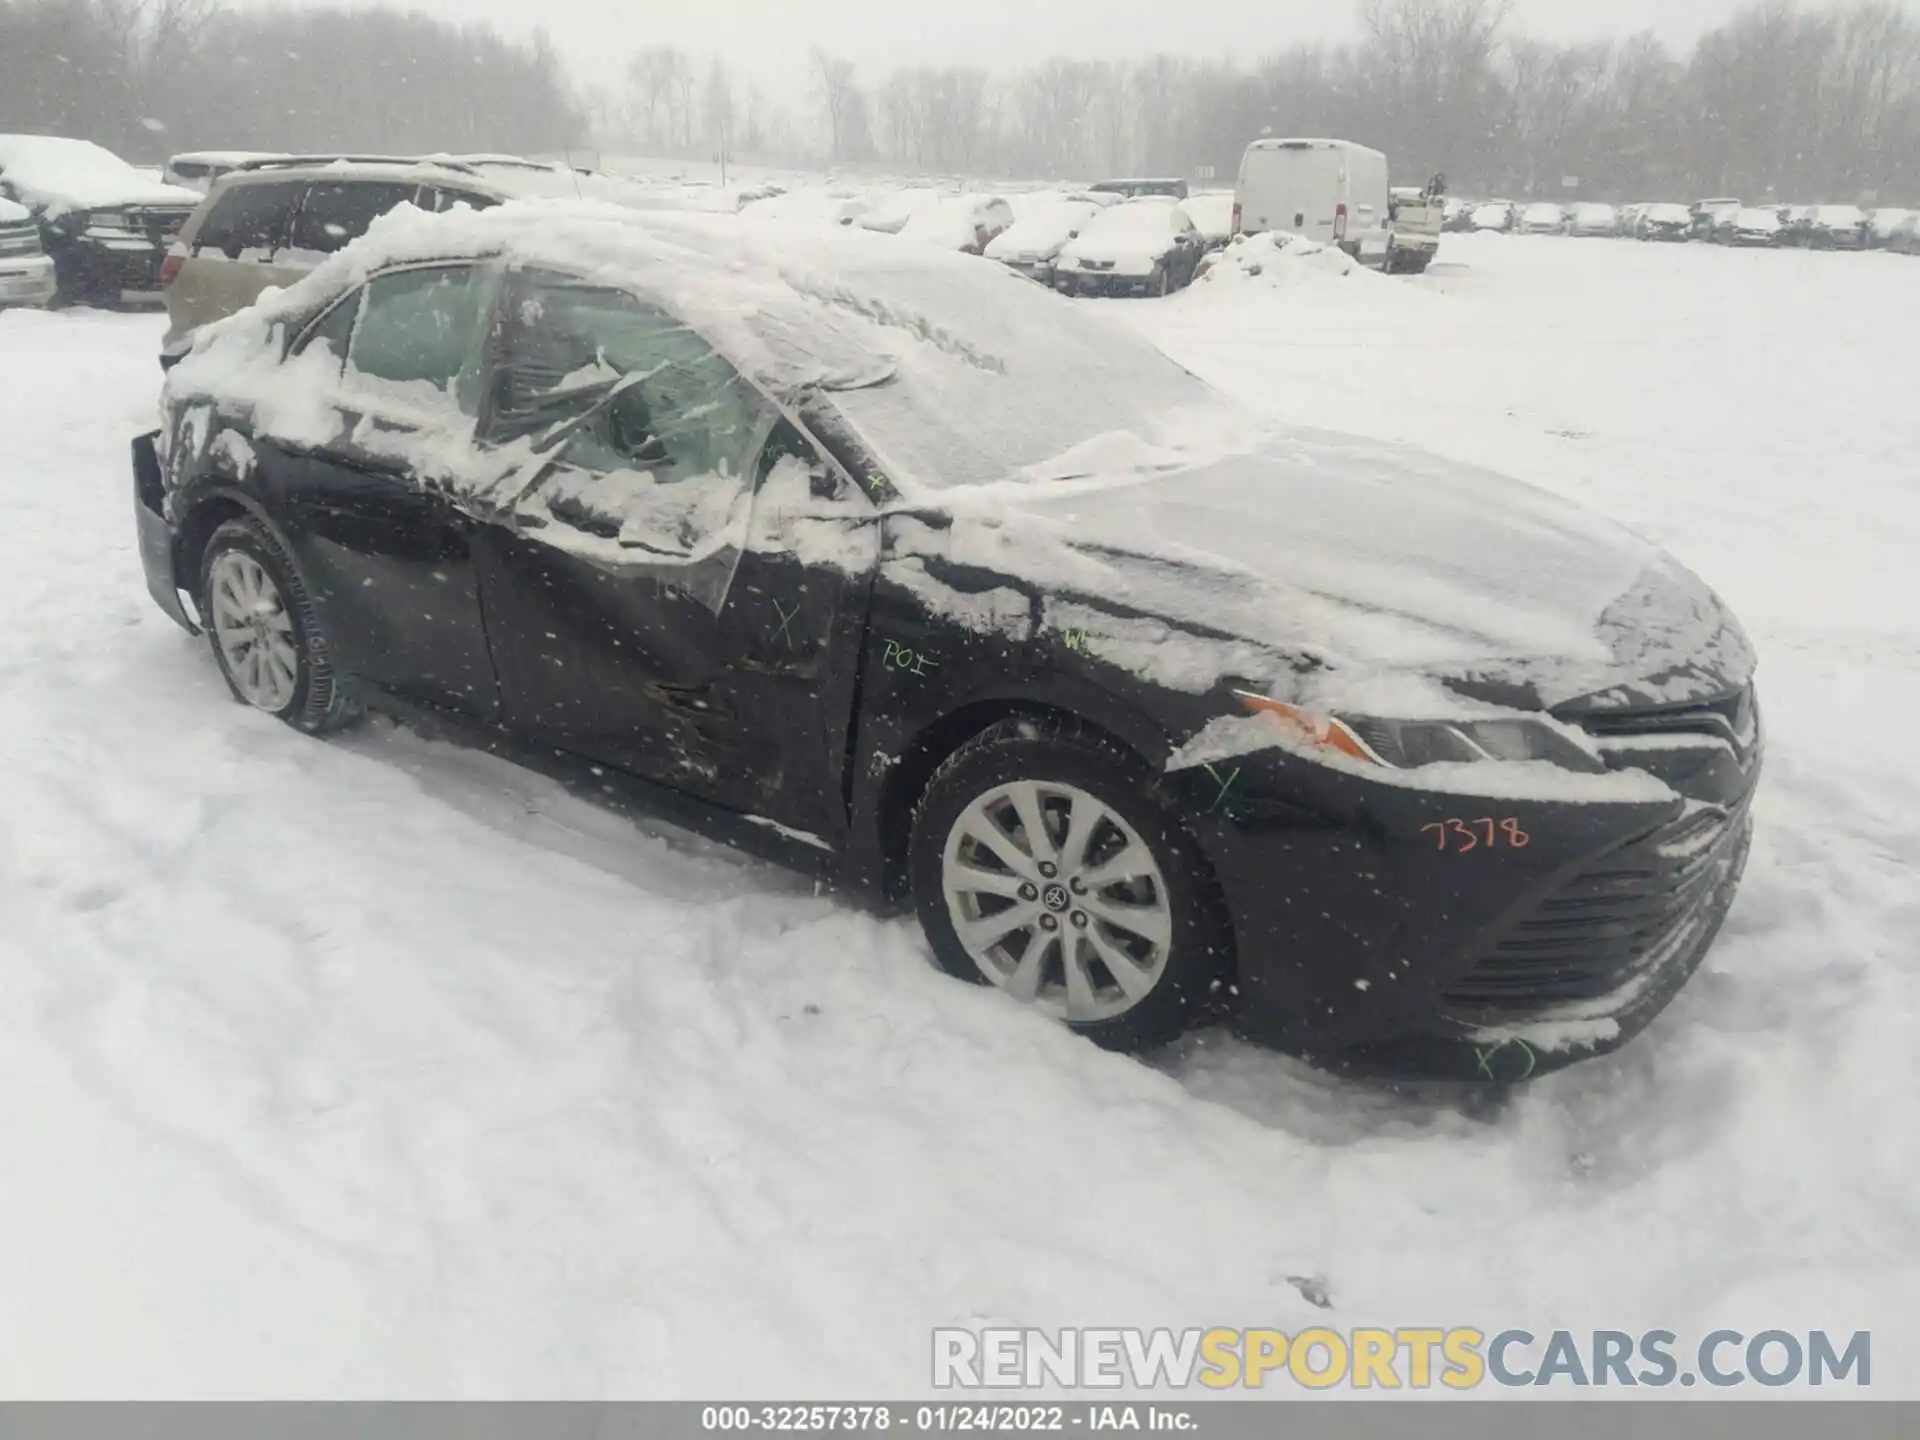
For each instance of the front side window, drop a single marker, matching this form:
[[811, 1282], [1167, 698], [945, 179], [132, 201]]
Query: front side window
[[422, 327], [248, 218], [660, 439], [334, 213]]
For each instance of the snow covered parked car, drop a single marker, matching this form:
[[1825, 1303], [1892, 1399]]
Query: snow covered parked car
[[1542, 217], [105, 225], [1905, 237], [1141, 247], [1838, 227], [1212, 216], [26, 274], [270, 221], [1033, 243], [1590, 218], [967, 223], [1882, 223], [889, 214], [1710, 215], [1665, 221], [1752, 227], [1494, 217], [975, 601]]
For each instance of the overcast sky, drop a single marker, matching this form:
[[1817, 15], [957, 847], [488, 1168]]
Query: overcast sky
[[770, 38]]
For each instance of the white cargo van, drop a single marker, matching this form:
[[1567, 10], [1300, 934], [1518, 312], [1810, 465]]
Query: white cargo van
[[1333, 191]]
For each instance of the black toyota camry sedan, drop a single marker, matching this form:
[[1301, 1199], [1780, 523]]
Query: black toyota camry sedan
[[1153, 711]]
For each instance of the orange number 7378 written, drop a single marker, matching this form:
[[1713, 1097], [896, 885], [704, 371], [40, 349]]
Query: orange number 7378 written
[[1457, 835]]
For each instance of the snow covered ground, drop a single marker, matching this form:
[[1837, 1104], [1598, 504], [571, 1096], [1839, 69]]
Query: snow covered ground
[[375, 1067]]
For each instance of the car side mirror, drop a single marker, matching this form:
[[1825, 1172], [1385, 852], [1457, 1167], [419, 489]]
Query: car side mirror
[[824, 483]]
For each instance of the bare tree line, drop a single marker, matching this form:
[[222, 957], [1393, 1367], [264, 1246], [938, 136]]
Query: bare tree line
[[152, 77], [1778, 100]]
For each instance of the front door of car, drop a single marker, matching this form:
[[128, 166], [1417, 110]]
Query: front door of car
[[366, 492], [676, 581]]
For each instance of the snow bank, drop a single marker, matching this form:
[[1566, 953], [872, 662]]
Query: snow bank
[[1276, 258]]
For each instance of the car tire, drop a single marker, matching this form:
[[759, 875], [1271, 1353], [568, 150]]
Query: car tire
[[264, 632], [1064, 953]]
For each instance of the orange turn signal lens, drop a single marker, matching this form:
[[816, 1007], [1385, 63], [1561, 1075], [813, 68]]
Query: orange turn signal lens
[[1325, 732]]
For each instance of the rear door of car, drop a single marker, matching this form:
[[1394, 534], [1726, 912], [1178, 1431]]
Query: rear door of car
[[677, 587], [371, 510], [229, 251]]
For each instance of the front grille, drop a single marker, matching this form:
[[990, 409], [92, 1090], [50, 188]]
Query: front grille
[[159, 223], [1637, 912], [20, 239], [1733, 718]]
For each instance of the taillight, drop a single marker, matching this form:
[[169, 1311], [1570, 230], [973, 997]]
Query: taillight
[[1339, 222], [1236, 218], [170, 266]]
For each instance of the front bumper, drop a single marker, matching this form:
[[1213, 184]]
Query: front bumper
[[156, 532], [111, 268], [27, 280], [1365, 945], [1101, 282]]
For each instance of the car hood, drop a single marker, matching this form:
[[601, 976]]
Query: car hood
[[91, 191], [1119, 250], [1350, 552]]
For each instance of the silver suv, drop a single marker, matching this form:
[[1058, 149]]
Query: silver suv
[[271, 220]]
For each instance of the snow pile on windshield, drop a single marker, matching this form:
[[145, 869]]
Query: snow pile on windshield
[[1277, 258], [59, 174]]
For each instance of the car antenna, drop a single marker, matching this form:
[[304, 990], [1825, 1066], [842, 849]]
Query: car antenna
[[567, 155]]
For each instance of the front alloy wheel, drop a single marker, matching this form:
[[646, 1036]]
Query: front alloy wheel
[[1044, 863], [253, 631], [264, 631], [1057, 900]]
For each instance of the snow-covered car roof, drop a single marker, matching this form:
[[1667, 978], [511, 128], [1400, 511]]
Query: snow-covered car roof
[[1594, 210], [1042, 232], [985, 373], [1887, 219], [1544, 210], [1666, 211], [58, 174], [1849, 215], [1753, 217], [223, 157]]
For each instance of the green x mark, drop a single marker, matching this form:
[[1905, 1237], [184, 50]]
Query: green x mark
[[1220, 795], [785, 629]]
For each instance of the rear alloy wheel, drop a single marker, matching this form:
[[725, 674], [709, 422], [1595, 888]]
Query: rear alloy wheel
[[263, 630], [1042, 865]]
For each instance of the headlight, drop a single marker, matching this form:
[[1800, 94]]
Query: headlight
[[1409, 744], [112, 220]]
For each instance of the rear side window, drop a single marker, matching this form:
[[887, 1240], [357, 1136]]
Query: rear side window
[[335, 213], [247, 217]]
